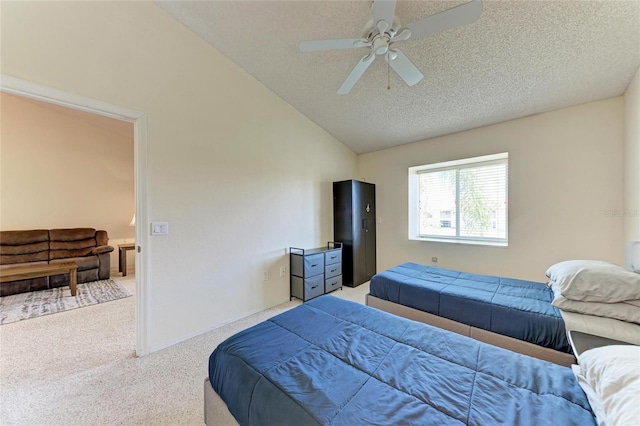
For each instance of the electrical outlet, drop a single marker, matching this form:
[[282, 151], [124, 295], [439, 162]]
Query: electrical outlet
[[283, 271], [265, 275], [434, 259]]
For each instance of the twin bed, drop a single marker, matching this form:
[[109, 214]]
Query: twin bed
[[510, 313], [332, 361]]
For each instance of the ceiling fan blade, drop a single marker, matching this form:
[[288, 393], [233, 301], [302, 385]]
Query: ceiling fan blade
[[405, 68], [346, 43], [356, 73], [455, 17], [383, 10]]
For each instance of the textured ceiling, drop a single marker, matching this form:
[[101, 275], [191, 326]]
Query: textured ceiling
[[520, 58]]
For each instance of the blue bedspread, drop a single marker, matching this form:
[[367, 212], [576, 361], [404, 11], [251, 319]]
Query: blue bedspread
[[514, 308], [336, 362]]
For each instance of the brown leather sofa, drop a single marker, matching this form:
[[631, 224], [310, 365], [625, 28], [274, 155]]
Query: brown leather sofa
[[86, 247]]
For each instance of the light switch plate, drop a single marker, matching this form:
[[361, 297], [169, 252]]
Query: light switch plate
[[159, 228]]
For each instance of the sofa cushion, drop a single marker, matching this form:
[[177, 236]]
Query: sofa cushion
[[24, 258], [16, 238], [24, 246], [84, 263], [66, 249], [67, 254], [72, 234], [73, 242], [73, 245], [101, 238], [7, 250]]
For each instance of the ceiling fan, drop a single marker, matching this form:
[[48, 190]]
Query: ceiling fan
[[385, 30]]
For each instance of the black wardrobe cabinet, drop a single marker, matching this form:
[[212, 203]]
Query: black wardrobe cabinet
[[354, 225]]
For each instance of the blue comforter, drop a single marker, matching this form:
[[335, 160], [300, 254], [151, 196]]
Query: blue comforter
[[514, 308], [336, 362]]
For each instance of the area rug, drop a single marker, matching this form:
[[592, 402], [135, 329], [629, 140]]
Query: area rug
[[23, 306]]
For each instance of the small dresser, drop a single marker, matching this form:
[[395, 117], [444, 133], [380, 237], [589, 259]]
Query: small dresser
[[315, 272]]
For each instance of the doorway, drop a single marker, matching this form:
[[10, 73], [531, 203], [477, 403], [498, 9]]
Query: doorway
[[41, 93]]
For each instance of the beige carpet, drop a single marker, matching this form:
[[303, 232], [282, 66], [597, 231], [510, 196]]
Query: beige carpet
[[79, 368]]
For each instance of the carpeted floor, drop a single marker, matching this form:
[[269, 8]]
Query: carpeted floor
[[18, 307], [79, 368]]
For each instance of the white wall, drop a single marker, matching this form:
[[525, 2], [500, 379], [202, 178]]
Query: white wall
[[59, 170], [632, 160], [238, 173], [565, 173]]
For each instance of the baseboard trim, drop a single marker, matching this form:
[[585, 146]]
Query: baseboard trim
[[208, 329]]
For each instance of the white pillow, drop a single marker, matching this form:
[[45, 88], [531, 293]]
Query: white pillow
[[594, 400], [628, 311], [594, 281], [610, 376]]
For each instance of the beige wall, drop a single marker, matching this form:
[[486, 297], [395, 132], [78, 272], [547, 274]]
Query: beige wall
[[632, 160], [565, 173], [59, 170], [238, 173]]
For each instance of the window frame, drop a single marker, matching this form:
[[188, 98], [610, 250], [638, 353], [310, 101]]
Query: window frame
[[414, 197]]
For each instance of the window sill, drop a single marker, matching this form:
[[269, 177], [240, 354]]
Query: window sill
[[461, 241]]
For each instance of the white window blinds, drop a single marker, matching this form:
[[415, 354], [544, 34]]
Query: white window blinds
[[460, 200]]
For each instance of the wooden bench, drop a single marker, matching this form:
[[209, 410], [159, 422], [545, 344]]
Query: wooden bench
[[37, 271]]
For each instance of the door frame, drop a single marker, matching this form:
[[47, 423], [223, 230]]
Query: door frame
[[27, 89]]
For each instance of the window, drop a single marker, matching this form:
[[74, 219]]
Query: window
[[462, 201]]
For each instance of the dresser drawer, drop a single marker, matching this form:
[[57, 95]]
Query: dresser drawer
[[332, 283], [333, 270], [334, 256], [307, 266], [313, 265], [314, 287]]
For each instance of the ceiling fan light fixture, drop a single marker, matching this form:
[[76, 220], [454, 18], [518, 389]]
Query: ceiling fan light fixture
[[385, 29], [380, 44], [382, 26]]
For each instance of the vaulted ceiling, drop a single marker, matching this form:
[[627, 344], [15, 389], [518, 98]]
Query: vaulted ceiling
[[521, 57]]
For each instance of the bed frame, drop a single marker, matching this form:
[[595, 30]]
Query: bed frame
[[216, 412], [485, 336]]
